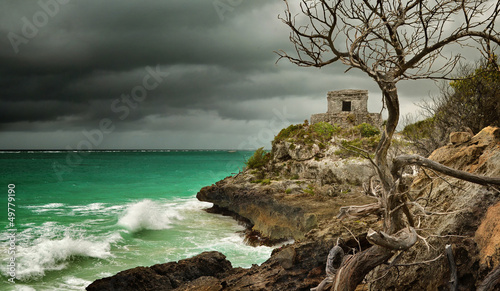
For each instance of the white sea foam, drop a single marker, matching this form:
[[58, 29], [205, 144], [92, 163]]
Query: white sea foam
[[55, 254], [148, 214], [73, 283], [88, 208], [20, 287], [46, 207]]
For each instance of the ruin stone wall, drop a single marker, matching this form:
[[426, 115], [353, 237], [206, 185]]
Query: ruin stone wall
[[356, 112]]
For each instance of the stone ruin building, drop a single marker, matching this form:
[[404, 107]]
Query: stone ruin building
[[347, 108]]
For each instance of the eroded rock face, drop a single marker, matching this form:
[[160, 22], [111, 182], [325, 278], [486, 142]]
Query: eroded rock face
[[285, 150], [487, 237], [460, 137], [273, 219], [470, 224], [167, 276]]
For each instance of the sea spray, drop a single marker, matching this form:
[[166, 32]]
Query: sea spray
[[49, 255], [148, 215]]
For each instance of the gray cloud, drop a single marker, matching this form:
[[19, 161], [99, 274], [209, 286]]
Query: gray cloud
[[222, 86]]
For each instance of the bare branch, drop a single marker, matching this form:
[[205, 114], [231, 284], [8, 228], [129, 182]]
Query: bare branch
[[453, 268], [359, 210], [420, 263], [492, 279], [390, 40], [404, 160], [402, 240]]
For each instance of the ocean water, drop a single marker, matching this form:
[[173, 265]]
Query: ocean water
[[78, 217]]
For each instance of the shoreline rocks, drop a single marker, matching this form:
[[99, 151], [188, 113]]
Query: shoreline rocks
[[168, 276]]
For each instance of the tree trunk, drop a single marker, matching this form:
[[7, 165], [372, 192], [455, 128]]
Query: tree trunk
[[358, 266], [393, 220]]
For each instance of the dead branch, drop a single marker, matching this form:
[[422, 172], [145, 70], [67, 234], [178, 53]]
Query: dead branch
[[453, 268], [354, 237], [402, 240], [426, 212], [401, 161], [371, 189], [420, 263], [359, 210], [491, 280], [356, 267], [334, 260], [333, 263]]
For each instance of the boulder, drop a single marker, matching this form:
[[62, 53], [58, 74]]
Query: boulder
[[165, 276], [460, 137]]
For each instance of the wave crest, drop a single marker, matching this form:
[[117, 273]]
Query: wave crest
[[149, 215], [51, 255]]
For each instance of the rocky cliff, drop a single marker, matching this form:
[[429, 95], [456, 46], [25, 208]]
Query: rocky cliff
[[459, 213], [298, 195], [306, 179]]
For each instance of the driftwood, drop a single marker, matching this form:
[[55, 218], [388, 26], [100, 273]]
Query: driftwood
[[333, 263], [402, 240], [491, 280], [359, 210], [453, 268]]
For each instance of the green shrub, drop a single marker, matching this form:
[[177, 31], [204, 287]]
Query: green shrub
[[259, 159], [306, 134], [420, 129], [290, 131], [351, 118], [368, 144], [367, 130], [288, 191], [324, 130]]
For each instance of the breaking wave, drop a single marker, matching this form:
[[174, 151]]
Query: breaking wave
[[55, 254], [148, 215]]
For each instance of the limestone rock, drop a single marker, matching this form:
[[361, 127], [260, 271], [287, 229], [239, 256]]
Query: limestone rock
[[471, 226], [488, 237], [274, 219], [285, 150], [460, 137]]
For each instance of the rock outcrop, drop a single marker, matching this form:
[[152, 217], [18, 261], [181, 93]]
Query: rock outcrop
[[204, 267], [281, 209], [465, 216], [304, 207]]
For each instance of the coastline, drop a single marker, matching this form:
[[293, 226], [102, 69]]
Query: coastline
[[310, 219]]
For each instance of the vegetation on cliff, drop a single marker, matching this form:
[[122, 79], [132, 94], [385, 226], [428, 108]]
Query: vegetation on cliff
[[258, 160], [469, 103]]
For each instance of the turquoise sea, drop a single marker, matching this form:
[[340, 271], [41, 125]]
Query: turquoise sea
[[80, 216]]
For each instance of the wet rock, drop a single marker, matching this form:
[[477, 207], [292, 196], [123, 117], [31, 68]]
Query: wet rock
[[165, 276]]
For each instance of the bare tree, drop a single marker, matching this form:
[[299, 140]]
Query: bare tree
[[390, 41]]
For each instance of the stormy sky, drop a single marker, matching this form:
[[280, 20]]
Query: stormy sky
[[172, 74]]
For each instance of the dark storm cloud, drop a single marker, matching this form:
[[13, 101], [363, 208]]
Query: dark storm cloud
[[90, 53], [64, 74]]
